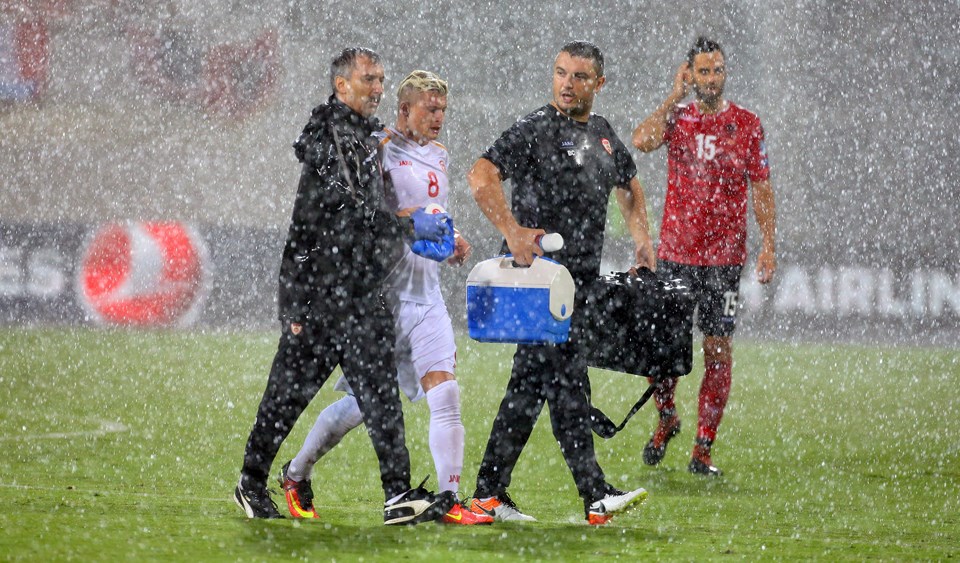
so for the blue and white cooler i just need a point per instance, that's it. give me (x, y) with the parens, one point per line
(525, 305)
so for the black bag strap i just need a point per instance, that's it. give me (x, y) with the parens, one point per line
(602, 425)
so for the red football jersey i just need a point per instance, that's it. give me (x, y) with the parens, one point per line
(710, 158)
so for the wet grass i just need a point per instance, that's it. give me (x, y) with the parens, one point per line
(122, 445)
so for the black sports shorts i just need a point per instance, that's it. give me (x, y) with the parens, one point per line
(715, 291)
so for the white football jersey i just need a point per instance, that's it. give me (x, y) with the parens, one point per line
(416, 176)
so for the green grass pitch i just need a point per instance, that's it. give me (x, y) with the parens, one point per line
(126, 445)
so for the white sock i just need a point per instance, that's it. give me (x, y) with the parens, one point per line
(446, 434)
(331, 426)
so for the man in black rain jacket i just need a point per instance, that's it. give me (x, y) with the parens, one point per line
(341, 244)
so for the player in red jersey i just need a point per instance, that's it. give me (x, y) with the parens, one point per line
(715, 152)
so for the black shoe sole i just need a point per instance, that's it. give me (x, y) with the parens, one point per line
(697, 467)
(653, 455)
(248, 509)
(405, 514)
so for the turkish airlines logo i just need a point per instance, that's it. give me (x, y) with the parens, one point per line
(144, 274)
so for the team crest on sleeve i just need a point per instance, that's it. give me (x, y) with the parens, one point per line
(443, 166)
(606, 145)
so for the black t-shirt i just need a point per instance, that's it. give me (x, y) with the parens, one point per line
(561, 172)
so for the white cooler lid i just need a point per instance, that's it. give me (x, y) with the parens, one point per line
(543, 273)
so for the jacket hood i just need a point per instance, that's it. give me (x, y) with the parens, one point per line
(340, 110)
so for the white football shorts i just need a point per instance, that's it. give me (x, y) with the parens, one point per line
(425, 343)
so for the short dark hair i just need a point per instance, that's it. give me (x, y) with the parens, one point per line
(703, 45)
(345, 62)
(585, 50)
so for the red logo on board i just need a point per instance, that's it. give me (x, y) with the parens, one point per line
(144, 274)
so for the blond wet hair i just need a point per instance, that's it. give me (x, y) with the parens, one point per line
(421, 81)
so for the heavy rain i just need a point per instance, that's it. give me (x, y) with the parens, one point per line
(164, 129)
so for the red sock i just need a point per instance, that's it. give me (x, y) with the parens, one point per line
(714, 392)
(663, 395)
